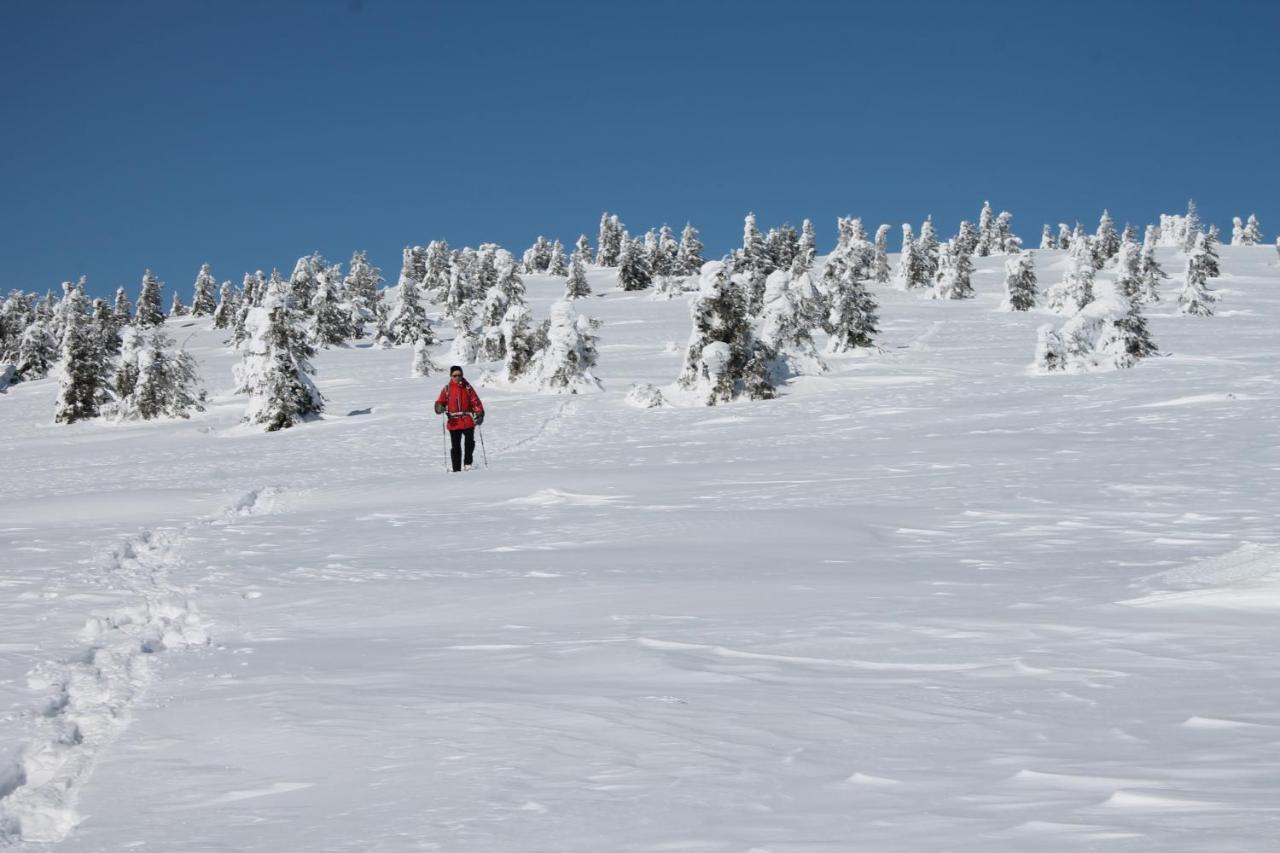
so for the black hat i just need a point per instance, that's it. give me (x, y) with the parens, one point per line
(454, 367)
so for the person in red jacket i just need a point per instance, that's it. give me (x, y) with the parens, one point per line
(460, 403)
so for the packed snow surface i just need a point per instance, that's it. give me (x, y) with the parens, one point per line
(926, 601)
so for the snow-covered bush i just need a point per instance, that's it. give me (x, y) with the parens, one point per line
(645, 396)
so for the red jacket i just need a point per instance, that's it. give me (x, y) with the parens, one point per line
(460, 400)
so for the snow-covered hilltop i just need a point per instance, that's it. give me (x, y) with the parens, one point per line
(938, 570)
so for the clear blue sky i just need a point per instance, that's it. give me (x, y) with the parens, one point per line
(165, 134)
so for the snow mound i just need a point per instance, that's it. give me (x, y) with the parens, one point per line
(555, 497)
(1247, 578)
(645, 396)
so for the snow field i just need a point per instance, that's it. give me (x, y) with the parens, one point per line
(892, 610)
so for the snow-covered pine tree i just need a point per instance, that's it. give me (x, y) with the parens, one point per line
(670, 250)
(303, 282)
(1193, 226)
(1252, 232)
(905, 278)
(724, 359)
(467, 342)
(383, 337)
(969, 242)
(1130, 233)
(1126, 339)
(753, 255)
(123, 309)
(564, 365)
(851, 319)
(556, 264)
(955, 269)
(689, 257)
(808, 243)
(1006, 241)
(1129, 269)
(782, 244)
(1195, 297)
(150, 308)
(436, 266)
(610, 241)
(792, 310)
(507, 292)
(275, 370)
(422, 364)
(1064, 236)
(576, 285)
(927, 252)
(125, 379)
(37, 350)
(330, 321)
(360, 287)
(519, 344)
(633, 267)
(656, 255)
(176, 306)
(1237, 231)
(202, 304)
(1106, 243)
(583, 249)
(166, 383)
(1212, 267)
(985, 240)
(83, 388)
(104, 326)
(1075, 290)
(228, 303)
(1150, 273)
(880, 263)
(1020, 282)
(1046, 238)
(410, 324)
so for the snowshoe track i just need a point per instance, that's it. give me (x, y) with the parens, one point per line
(91, 694)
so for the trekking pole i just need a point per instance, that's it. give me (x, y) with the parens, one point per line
(483, 453)
(444, 436)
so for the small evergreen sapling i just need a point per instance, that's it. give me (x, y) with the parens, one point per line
(176, 306)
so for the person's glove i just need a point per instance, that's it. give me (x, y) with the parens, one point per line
(439, 408)
(479, 417)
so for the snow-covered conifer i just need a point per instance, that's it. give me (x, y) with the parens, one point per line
(689, 257)
(104, 326)
(753, 255)
(163, 383)
(37, 350)
(1237, 231)
(880, 262)
(202, 304)
(150, 308)
(609, 243)
(422, 363)
(330, 323)
(852, 318)
(955, 269)
(985, 240)
(83, 387)
(1212, 267)
(1076, 288)
(556, 264)
(782, 245)
(123, 309)
(1150, 273)
(1106, 243)
(275, 370)
(1020, 282)
(383, 337)
(1129, 269)
(1046, 238)
(1195, 297)
(792, 310)
(410, 324)
(519, 344)
(467, 342)
(1064, 236)
(1252, 232)
(1193, 227)
(927, 252)
(583, 249)
(1006, 241)
(303, 282)
(909, 269)
(360, 287)
(228, 304)
(969, 242)
(808, 243)
(564, 365)
(176, 306)
(633, 267)
(507, 292)
(576, 285)
(724, 359)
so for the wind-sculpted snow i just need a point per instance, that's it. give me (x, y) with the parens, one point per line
(927, 600)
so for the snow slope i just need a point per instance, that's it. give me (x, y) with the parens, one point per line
(928, 601)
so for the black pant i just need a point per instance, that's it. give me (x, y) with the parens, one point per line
(455, 452)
